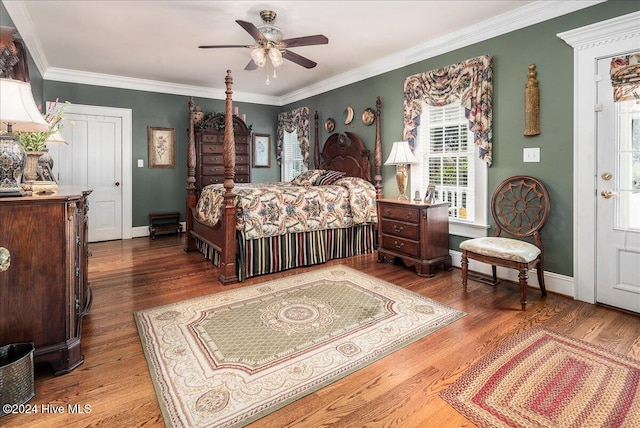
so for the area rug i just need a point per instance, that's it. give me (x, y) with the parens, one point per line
(544, 379)
(230, 358)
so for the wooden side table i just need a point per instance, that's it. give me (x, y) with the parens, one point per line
(414, 232)
(164, 222)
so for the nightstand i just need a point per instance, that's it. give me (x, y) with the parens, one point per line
(414, 232)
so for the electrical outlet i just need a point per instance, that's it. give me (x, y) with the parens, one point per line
(531, 154)
(140, 163)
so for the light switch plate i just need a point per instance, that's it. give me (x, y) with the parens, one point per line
(531, 154)
(140, 163)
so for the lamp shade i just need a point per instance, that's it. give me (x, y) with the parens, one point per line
(259, 57)
(18, 108)
(401, 154)
(56, 138)
(276, 57)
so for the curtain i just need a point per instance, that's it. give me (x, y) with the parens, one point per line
(471, 82)
(625, 77)
(295, 120)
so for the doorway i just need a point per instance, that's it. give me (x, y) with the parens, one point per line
(98, 156)
(605, 39)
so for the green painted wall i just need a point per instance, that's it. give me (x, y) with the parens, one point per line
(161, 189)
(513, 52)
(164, 189)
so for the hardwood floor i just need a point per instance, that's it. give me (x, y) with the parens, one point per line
(400, 390)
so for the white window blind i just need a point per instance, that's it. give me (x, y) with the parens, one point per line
(292, 164)
(446, 153)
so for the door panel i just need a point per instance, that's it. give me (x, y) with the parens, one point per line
(618, 198)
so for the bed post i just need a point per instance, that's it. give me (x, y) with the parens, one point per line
(316, 147)
(229, 246)
(377, 153)
(190, 243)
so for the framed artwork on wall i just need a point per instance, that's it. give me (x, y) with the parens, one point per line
(162, 147)
(430, 194)
(261, 151)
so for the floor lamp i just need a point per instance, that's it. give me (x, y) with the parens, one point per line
(18, 112)
(401, 155)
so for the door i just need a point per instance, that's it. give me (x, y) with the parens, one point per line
(94, 158)
(618, 197)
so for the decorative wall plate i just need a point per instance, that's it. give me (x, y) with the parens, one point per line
(368, 116)
(330, 124)
(348, 115)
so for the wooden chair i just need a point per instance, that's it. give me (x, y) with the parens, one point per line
(520, 207)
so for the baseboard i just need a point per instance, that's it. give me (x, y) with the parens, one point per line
(142, 231)
(554, 282)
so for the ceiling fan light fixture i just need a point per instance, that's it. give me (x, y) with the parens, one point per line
(276, 57)
(259, 57)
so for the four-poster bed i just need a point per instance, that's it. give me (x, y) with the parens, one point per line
(258, 228)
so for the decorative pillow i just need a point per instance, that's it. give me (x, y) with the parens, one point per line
(329, 177)
(307, 178)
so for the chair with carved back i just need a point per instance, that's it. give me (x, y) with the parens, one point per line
(520, 207)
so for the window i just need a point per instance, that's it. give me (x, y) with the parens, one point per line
(448, 159)
(292, 162)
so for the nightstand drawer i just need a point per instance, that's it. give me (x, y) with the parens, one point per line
(402, 213)
(401, 229)
(401, 245)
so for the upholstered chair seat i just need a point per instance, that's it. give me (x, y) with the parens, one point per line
(520, 207)
(502, 248)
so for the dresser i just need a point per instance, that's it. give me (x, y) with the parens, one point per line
(209, 137)
(414, 232)
(44, 293)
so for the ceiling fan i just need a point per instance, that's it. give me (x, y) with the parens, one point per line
(270, 44)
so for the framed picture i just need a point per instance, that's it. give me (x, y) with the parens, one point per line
(261, 151)
(430, 194)
(162, 147)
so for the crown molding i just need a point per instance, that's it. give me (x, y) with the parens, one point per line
(609, 31)
(525, 16)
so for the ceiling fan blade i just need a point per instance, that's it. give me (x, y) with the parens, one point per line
(223, 46)
(318, 39)
(298, 59)
(251, 66)
(252, 29)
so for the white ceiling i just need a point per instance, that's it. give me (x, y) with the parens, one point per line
(153, 45)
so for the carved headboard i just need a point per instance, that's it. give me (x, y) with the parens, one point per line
(347, 154)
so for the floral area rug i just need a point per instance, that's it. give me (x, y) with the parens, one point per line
(544, 379)
(229, 358)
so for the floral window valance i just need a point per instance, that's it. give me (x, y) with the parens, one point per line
(471, 82)
(625, 77)
(295, 120)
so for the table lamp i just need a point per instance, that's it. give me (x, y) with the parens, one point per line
(18, 112)
(401, 155)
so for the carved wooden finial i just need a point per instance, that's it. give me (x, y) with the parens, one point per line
(531, 103)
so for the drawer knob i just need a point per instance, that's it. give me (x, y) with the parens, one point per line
(398, 229)
(398, 245)
(5, 259)
(409, 215)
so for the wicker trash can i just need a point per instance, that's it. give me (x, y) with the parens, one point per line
(16, 374)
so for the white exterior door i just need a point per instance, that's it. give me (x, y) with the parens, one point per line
(96, 158)
(618, 197)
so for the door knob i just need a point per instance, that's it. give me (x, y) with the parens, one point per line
(607, 194)
(5, 259)
(117, 183)
(606, 176)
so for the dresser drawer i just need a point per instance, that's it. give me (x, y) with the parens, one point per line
(401, 245)
(217, 159)
(218, 149)
(402, 213)
(401, 229)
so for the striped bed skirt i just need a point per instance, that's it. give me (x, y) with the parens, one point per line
(278, 253)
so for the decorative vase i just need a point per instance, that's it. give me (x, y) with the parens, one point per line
(31, 168)
(12, 161)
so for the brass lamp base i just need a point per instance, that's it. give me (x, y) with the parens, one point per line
(401, 179)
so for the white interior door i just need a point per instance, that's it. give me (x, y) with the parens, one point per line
(618, 197)
(96, 158)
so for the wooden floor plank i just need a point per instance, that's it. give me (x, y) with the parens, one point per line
(400, 390)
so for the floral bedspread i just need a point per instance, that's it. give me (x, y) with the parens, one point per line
(272, 209)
